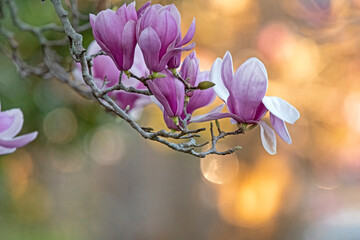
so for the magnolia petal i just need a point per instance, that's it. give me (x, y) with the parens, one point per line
(189, 35)
(170, 92)
(215, 77)
(4, 150)
(212, 116)
(150, 46)
(248, 88)
(280, 128)
(188, 47)
(18, 141)
(169, 54)
(160, 97)
(281, 109)
(167, 30)
(92, 18)
(268, 137)
(128, 44)
(172, 9)
(215, 110)
(16, 125)
(201, 98)
(180, 96)
(127, 13)
(103, 66)
(227, 71)
(143, 8)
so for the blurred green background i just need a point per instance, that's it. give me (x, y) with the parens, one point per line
(89, 176)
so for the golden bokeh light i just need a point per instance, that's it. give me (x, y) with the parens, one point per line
(19, 168)
(352, 111)
(219, 169)
(255, 198)
(303, 63)
(275, 42)
(60, 126)
(34, 205)
(232, 7)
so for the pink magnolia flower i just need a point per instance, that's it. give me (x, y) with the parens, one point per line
(115, 33)
(159, 35)
(244, 95)
(197, 99)
(170, 92)
(11, 122)
(104, 67)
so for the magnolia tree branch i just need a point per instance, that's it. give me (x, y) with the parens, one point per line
(53, 67)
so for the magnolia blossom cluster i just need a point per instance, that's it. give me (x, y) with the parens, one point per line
(148, 43)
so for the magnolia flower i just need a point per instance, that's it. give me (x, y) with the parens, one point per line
(159, 35)
(11, 122)
(244, 95)
(170, 92)
(197, 99)
(190, 69)
(104, 68)
(115, 33)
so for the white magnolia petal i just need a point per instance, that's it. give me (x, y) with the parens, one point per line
(19, 141)
(280, 128)
(268, 138)
(281, 109)
(215, 77)
(4, 150)
(16, 125)
(200, 117)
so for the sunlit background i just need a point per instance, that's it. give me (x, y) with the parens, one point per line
(89, 176)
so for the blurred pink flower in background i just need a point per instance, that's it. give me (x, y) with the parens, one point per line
(105, 68)
(11, 122)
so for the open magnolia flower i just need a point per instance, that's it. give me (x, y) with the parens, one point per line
(244, 95)
(11, 122)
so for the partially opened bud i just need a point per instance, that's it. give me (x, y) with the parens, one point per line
(159, 35)
(190, 69)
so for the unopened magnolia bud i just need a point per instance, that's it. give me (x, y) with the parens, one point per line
(157, 75)
(205, 85)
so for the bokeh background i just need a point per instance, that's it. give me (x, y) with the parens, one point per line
(89, 176)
